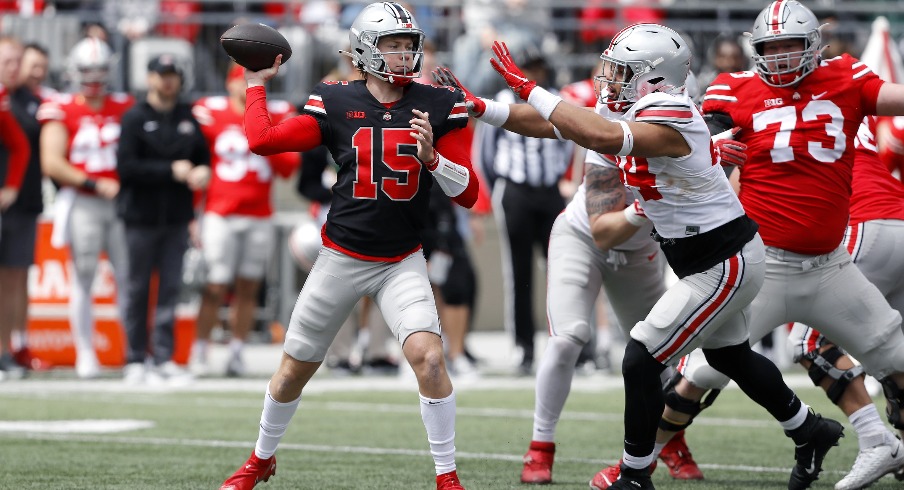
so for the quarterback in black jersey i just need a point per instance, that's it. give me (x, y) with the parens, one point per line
(393, 140)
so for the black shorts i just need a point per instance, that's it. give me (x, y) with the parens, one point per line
(18, 233)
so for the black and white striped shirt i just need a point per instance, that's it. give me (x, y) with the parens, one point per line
(536, 162)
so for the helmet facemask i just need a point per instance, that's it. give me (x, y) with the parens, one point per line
(786, 20)
(786, 69)
(377, 66)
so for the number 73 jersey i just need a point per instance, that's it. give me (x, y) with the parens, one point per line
(800, 149)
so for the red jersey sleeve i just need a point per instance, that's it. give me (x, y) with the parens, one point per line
(454, 146)
(300, 133)
(15, 141)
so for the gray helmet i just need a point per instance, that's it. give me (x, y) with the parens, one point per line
(642, 59)
(378, 20)
(89, 63)
(785, 19)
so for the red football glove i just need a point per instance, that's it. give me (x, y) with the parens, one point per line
(444, 76)
(727, 151)
(514, 77)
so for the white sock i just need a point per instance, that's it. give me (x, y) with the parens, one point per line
(17, 340)
(657, 449)
(870, 429)
(275, 420)
(439, 420)
(637, 463)
(199, 350)
(81, 318)
(797, 420)
(554, 377)
(236, 346)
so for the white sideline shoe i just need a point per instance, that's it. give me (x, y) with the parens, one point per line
(872, 464)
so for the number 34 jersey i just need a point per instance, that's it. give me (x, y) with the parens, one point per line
(381, 196)
(800, 149)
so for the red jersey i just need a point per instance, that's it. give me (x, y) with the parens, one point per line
(877, 194)
(800, 149)
(15, 142)
(581, 93)
(240, 181)
(891, 150)
(93, 135)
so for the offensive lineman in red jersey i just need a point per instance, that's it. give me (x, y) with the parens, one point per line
(236, 230)
(391, 138)
(79, 137)
(799, 115)
(667, 160)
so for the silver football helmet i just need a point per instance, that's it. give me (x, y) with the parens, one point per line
(89, 65)
(385, 19)
(785, 19)
(640, 60)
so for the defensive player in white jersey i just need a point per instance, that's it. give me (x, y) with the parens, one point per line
(799, 115)
(79, 138)
(666, 158)
(236, 231)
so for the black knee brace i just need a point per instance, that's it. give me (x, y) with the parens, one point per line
(684, 405)
(823, 364)
(894, 397)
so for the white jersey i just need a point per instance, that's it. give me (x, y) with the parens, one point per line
(682, 196)
(576, 214)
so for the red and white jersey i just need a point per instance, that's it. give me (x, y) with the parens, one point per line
(93, 135)
(877, 194)
(800, 149)
(581, 93)
(682, 196)
(240, 180)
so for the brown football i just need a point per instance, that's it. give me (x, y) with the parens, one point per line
(255, 46)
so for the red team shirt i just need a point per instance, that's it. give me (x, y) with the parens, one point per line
(877, 194)
(240, 181)
(800, 144)
(15, 141)
(93, 136)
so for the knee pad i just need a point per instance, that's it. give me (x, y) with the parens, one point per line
(823, 364)
(894, 397)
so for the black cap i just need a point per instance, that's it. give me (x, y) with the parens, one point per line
(165, 63)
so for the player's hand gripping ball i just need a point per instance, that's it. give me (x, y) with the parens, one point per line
(255, 46)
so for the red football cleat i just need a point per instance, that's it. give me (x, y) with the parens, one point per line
(26, 359)
(538, 462)
(678, 458)
(607, 476)
(448, 481)
(254, 471)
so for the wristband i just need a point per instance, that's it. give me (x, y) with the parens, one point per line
(431, 166)
(496, 113)
(628, 141)
(634, 218)
(543, 101)
(89, 184)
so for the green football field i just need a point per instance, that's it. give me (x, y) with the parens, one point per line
(360, 433)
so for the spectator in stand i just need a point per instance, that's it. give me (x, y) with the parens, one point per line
(162, 157)
(725, 55)
(79, 136)
(237, 235)
(14, 238)
(27, 92)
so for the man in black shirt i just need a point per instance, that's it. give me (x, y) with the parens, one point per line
(162, 157)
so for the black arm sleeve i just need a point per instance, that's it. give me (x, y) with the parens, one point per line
(200, 152)
(718, 122)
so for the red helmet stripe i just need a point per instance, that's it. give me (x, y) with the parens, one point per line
(777, 8)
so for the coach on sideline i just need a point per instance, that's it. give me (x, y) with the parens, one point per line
(162, 157)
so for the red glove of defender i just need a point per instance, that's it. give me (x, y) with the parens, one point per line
(514, 77)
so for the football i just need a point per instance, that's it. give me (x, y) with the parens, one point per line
(255, 46)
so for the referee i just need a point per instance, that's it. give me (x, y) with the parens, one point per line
(524, 175)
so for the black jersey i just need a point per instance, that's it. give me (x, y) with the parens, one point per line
(381, 196)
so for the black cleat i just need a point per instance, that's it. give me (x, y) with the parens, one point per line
(812, 442)
(633, 479)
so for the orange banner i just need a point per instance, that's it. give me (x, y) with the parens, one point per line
(49, 335)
